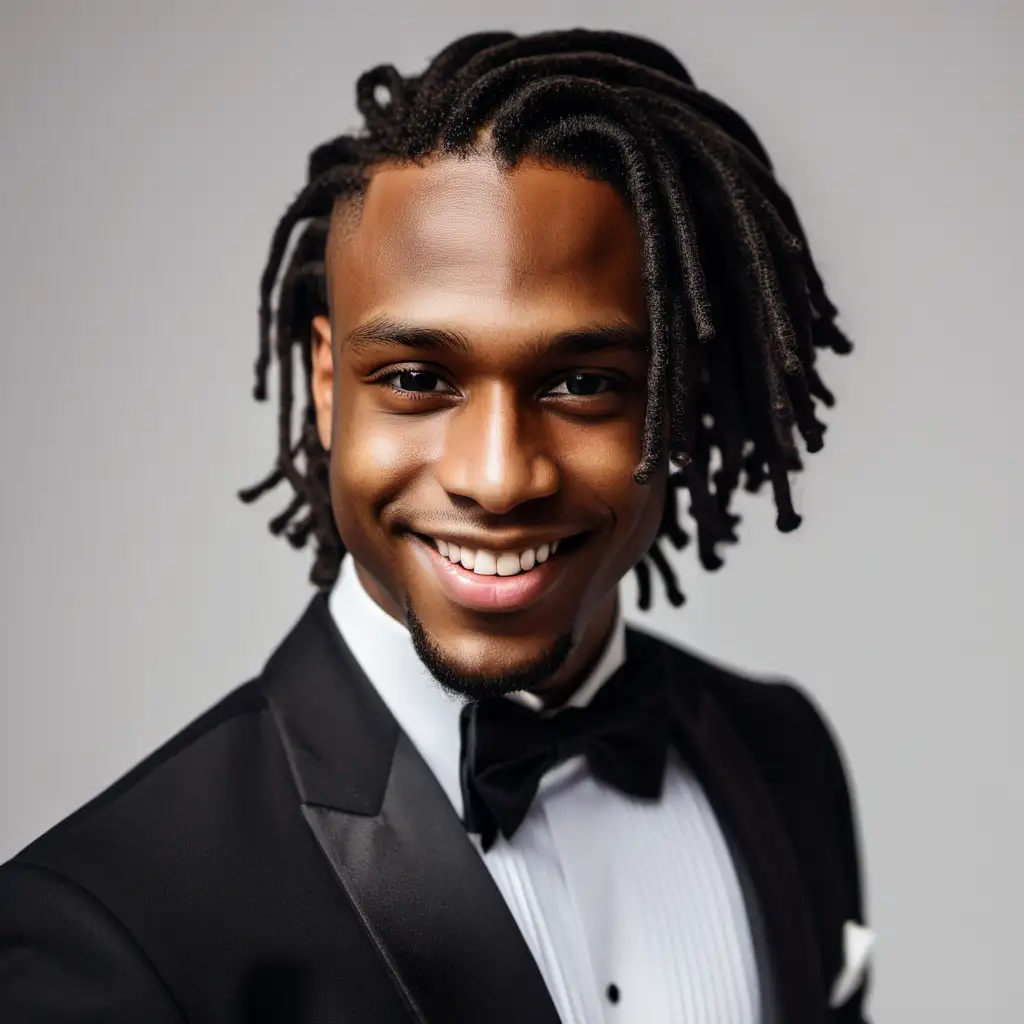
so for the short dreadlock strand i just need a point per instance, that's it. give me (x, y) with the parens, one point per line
(779, 208)
(301, 271)
(643, 583)
(668, 575)
(827, 334)
(767, 301)
(268, 483)
(794, 288)
(670, 528)
(712, 526)
(757, 245)
(816, 387)
(771, 442)
(682, 366)
(284, 339)
(725, 263)
(381, 120)
(315, 200)
(280, 521)
(304, 280)
(726, 429)
(300, 531)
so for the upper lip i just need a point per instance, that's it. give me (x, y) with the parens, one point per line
(516, 542)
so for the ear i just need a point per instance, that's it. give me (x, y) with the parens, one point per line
(322, 378)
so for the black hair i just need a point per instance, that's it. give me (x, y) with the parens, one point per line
(736, 307)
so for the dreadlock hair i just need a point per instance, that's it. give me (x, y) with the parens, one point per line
(736, 307)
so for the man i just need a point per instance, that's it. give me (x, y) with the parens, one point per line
(548, 272)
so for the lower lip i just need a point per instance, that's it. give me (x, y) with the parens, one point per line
(491, 593)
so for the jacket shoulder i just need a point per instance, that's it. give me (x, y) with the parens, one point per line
(777, 718)
(197, 872)
(166, 777)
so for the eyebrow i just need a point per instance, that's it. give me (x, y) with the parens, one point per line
(385, 331)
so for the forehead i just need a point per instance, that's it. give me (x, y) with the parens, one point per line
(463, 239)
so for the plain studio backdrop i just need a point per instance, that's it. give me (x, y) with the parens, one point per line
(147, 152)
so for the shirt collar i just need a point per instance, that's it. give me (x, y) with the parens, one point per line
(428, 714)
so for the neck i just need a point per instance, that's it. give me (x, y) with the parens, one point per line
(555, 691)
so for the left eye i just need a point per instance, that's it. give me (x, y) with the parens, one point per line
(584, 384)
(417, 381)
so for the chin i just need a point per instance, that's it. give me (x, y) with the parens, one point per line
(475, 678)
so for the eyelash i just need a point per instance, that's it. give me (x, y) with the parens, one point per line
(384, 379)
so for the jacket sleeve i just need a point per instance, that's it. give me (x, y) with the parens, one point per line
(65, 959)
(843, 816)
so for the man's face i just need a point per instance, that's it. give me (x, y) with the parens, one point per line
(462, 396)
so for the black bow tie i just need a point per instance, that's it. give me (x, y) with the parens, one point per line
(507, 748)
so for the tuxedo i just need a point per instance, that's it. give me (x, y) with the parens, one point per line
(290, 856)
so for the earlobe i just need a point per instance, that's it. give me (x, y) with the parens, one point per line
(322, 377)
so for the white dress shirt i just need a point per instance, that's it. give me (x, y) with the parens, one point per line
(634, 911)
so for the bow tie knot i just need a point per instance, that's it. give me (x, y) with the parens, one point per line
(507, 749)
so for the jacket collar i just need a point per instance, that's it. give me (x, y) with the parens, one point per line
(339, 735)
(394, 842)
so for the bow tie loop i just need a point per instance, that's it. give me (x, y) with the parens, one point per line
(571, 732)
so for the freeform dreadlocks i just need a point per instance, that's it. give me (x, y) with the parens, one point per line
(735, 305)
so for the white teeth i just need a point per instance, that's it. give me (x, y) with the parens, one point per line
(486, 563)
(508, 564)
(492, 563)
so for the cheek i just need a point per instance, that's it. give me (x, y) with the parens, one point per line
(370, 464)
(603, 461)
(602, 466)
(605, 470)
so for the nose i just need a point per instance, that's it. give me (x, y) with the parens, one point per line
(495, 453)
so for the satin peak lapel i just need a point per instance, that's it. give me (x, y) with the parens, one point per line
(394, 841)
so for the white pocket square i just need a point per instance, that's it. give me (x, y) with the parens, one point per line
(857, 943)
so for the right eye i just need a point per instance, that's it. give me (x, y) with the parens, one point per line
(411, 381)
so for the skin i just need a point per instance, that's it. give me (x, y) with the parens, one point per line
(491, 440)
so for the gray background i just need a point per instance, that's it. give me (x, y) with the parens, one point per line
(147, 151)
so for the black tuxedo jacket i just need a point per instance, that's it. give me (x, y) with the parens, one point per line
(289, 857)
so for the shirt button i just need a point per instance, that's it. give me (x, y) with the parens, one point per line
(613, 993)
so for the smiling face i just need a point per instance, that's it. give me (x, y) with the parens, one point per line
(482, 381)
